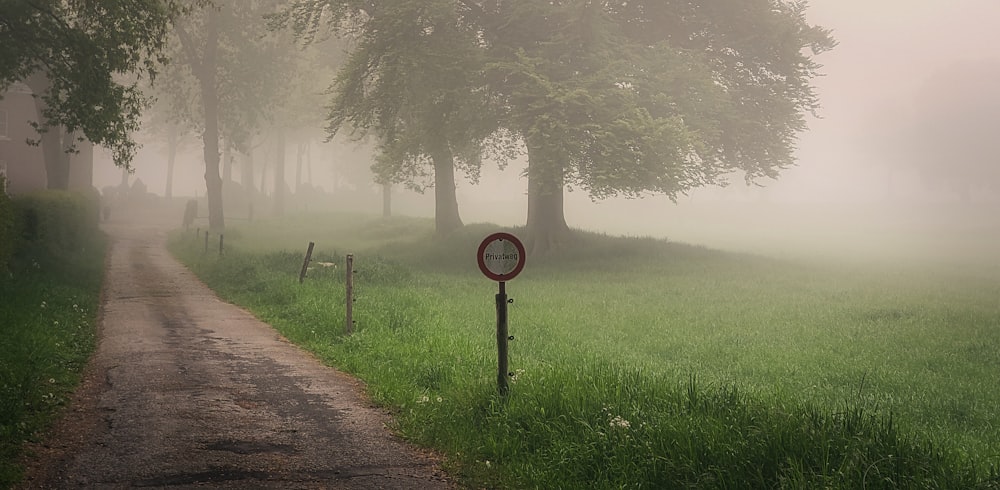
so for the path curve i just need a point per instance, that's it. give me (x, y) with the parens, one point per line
(186, 390)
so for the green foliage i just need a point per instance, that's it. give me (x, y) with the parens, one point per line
(640, 363)
(48, 311)
(84, 49)
(412, 78)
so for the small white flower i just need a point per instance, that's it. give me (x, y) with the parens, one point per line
(618, 421)
(43, 304)
(439, 399)
(488, 463)
(423, 399)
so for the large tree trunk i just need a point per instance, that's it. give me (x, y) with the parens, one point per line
(172, 142)
(386, 200)
(546, 223)
(56, 163)
(299, 156)
(279, 175)
(210, 102)
(81, 172)
(227, 161)
(446, 218)
(246, 172)
(59, 177)
(309, 167)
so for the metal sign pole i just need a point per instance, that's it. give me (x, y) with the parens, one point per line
(502, 340)
(498, 262)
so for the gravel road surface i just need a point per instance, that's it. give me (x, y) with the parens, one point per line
(187, 391)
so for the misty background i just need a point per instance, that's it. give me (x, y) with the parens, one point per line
(859, 190)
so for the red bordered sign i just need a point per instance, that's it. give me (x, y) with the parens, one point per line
(501, 256)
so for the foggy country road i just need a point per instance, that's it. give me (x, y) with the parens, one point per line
(186, 390)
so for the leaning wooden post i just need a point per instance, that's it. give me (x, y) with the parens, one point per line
(305, 263)
(349, 272)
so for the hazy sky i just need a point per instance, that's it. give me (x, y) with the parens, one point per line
(887, 49)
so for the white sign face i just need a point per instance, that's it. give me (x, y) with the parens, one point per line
(501, 256)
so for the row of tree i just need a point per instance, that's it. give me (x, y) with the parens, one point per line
(613, 97)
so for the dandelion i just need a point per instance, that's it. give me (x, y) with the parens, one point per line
(439, 399)
(52, 381)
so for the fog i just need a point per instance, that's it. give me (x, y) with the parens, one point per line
(851, 194)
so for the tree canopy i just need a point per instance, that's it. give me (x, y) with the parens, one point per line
(412, 80)
(92, 54)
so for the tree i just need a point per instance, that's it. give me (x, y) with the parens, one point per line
(614, 97)
(239, 71)
(202, 59)
(167, 118)
(412, 79)
(661, 96)
(78, 56)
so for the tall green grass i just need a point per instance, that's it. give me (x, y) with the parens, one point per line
(48, 310)
(642, 363)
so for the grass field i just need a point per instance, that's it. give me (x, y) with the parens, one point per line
(643, 363)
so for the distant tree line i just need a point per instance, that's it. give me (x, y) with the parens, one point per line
(615, 98)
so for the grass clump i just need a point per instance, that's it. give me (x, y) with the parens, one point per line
(644, 364)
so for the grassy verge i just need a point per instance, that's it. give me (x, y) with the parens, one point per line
(641, 363)
(48, 308)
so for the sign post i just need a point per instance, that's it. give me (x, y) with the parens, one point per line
(501, 257)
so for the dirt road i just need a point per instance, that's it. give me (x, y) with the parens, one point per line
(188, 391)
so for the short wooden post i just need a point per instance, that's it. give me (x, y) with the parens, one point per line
(206, 241)
(221, 238)
(349, 272)
(502, 367)
(305, 263)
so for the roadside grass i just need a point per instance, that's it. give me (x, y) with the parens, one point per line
(48, 310)
(642, 363)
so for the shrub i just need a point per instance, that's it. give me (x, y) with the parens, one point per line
(56, 223)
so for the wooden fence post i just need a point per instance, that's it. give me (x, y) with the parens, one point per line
(349, 272)
(305, 263)
(221, 238)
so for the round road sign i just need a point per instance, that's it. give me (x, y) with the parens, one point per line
(501, 256)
